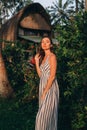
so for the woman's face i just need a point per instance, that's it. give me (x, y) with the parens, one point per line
(45, 43)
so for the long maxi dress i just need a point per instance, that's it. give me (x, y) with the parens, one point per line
(47, 116)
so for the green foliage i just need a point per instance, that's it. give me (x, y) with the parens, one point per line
(19, 112)
(22, 76)
(72, 74)
(60, 11)
(17, 115)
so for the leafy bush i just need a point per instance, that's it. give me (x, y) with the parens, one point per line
(72, 74)
(17, 115)
(19, 112)
(21, 72)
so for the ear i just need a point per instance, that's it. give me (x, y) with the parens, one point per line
(51, 45)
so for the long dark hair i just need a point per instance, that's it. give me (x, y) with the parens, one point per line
(41, 51)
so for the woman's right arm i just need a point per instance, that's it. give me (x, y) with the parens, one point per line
(37, 57)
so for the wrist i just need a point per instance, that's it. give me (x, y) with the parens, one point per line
(37, 63)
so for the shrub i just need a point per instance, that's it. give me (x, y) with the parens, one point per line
(72, 74)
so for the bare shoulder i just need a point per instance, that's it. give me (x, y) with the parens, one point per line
(52, 61)
(52, 57)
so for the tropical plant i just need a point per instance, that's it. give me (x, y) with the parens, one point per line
(21, 69)
(79, 5)
(72, 74)
(61, 11)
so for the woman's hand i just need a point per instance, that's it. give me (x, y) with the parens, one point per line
(37, 57)
(43, 95)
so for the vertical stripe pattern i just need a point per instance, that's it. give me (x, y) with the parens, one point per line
(47, 115)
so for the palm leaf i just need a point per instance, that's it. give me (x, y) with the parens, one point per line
(60, 3)
(67, 3)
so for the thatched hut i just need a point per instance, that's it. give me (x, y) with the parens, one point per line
(30, 24)
(32, 20)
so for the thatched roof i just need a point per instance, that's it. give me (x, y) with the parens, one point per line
(33, 16)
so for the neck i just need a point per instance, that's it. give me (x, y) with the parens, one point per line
(47, 52)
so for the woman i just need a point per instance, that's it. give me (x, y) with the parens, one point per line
(46, 65)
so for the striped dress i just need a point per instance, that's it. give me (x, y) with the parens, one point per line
(47, 115)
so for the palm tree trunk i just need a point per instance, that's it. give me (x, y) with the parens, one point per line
(86, 5)
(5, 88)
(76, 2)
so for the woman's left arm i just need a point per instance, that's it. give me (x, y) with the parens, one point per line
(53, 66)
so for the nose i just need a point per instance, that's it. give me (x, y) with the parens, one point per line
(44, 43)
